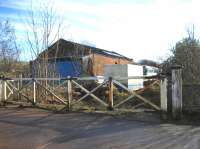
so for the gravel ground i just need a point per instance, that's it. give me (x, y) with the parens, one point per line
(34, 128)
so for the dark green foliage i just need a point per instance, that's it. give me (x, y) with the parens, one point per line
(187, 54)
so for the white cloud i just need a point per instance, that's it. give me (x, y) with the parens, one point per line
(139, 31)
(143, 30)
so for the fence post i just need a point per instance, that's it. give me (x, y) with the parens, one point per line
(4, 90)
(1, 90)
(110, 97)
(20, 86)
(176, 92)
(163, 98)
(69, 92)
(34, 92)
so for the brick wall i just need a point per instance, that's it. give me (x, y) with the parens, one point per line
(100, 60)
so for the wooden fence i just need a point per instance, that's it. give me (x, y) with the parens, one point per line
(18, 87)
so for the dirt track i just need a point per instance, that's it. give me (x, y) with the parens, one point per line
(34, 128)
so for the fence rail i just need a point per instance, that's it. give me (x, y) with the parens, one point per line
(85, 78)
(11, 86)
(32, 89)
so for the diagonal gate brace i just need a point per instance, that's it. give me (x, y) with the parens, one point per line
(134, 94)
(90, 93)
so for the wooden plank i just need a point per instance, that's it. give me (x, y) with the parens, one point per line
(69, 93)
(22, 87)
(110, 97)
(4, 90)
(148, 102)
(61, 100)
(123, 101)
(176, 92)
(138, 105)
(92, 95)
(125, 88)
(37, 79)
(90, 78)
(89, 93)
(9, 95)
(163, 98)
(52, 90)
(18, 91)
(34, 92)
(11, 91)
(122, 86)
(20, 84)
(85, 78)
(138, 96)
(147, 87)
(1, 90)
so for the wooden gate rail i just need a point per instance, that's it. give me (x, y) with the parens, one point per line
(110, 82)
(90, 93)
(7, 88)
(19, 91)
(11, 91)
(134, 94)
(53, 94)
(148, 86)
(34, 82)
(52, 90)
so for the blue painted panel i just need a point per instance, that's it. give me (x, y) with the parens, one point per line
(69, 68)
(63, 68)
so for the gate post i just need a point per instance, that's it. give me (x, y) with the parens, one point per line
(1, 90)
(176, 92)
(110, 97)
(69, 92)
(163, 98)
(20, 83)
(34, 92)
(4, 89)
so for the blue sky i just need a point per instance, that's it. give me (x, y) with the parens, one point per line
(139, 29)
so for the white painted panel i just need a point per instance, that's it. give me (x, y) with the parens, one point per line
(117, 70)
(135, 70)
(126, 70)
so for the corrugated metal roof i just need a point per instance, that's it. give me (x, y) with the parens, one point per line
(93, 49)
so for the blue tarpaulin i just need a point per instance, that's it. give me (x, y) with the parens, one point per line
(69, 68)
(61, 68)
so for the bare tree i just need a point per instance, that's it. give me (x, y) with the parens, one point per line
(43, 29)
(9, 52)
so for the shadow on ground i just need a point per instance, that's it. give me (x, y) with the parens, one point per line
(36, 128)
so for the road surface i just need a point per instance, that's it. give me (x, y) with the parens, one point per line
(37, 129)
